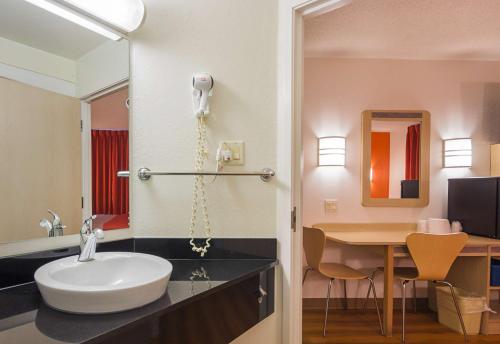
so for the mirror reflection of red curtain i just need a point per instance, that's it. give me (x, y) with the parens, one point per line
(109, 155)
(380, 164)
(412, 170)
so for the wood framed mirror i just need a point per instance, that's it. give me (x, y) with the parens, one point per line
(395, 166)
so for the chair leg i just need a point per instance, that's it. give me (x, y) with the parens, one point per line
(367, 298)
(404, 312)
(327, 302)
(414, 296)
(452, 290)
(369, 291)
(372, 286)
(305, 274)
(345, 295)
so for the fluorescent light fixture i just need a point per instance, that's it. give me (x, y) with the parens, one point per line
(331, 151)
(74, 17)
(457, 153)
(125, 15)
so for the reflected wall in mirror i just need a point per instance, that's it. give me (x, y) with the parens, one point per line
(396, 158)
(64, 125)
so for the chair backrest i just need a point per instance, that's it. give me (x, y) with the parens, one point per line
(434, 254)
(314, 245)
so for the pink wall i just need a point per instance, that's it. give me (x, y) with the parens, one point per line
(463, 99)
(110, 112)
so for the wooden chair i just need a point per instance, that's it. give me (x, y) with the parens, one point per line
(433, 255)
(314, 246)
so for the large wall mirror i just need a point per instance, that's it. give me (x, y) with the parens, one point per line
(63, 126)
(396, 158)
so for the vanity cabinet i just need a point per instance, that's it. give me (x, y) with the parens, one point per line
(217, 318)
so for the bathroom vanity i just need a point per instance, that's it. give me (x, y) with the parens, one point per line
(211, 300)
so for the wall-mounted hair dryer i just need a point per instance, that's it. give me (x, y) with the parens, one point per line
(202, 89)
(203, 84)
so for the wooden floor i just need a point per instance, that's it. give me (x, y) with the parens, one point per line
(356, 327)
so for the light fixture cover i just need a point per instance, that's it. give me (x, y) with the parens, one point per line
(76, 17)
(331, 151)
(457, 153)
(125, 15)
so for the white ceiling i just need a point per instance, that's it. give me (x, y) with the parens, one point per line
(407, 29)
(30, 25)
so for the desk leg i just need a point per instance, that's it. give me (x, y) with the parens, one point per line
(388, 289)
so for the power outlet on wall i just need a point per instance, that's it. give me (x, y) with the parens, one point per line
(232, 152)
(330, 206)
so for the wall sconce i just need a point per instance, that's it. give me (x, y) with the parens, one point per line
(331, 151)
(457, 153)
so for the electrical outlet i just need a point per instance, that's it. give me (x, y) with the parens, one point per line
(330, 205)
(232, 152)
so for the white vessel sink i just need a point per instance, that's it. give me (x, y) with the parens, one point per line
(112, 282)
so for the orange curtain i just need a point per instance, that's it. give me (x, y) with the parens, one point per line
(380, 164)
(412, 170)
(109, 155)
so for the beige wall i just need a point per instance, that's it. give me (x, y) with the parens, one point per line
(235, 41)
(110, 112)
(40, 154)
(23, 56)
(462, 97)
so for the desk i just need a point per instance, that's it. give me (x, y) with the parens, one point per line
(393, 239)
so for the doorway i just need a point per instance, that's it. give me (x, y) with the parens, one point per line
(290, 159)
(356, 84)
(105, 132)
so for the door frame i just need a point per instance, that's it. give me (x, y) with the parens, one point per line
(292, 14)
(86, 139)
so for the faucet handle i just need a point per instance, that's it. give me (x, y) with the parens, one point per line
(90, 218)
(87, 225)
(46, 224)
(56, 218)
(99, 233)
(88, 221)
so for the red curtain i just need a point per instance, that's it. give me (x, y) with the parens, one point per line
(413, 152)
(109, 155)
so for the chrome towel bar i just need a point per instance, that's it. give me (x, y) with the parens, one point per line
(145, 174)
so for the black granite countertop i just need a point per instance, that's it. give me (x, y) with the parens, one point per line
(24, 317)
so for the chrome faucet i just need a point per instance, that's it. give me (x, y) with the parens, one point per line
(55, 227)
(88, 240)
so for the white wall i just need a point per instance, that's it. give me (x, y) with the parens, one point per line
(102, 67)
(397, 162)
(35, 79)
(37, 68)
(462, 97)
(22, 56)
(235, 41)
